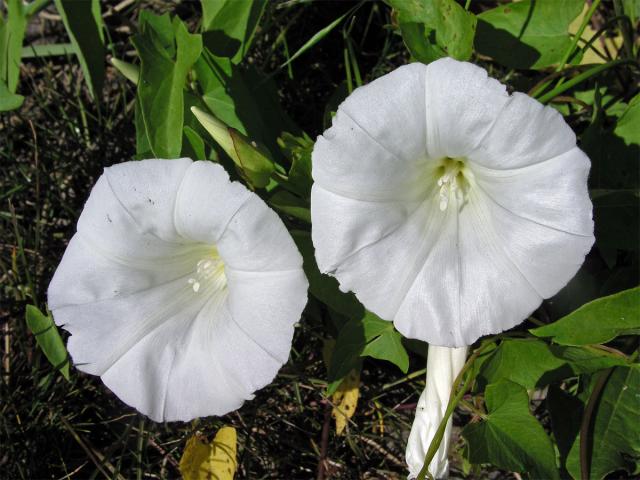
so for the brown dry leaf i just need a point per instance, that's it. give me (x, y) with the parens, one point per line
(210, 461)
(345, 400)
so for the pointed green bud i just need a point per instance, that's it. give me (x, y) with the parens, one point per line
(253, 162)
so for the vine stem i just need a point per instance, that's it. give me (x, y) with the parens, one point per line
(454, 399)
(578, 35)
(586, 422)
(581, 78)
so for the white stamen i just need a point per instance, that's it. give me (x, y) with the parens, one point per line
(452, 182)
(208, 271)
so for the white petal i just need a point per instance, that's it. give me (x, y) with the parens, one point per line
(87, 274)
(462, 104)
(542, 215)
(114, 253)
(381, 271)
(105, 330)
(391, 111)
(443, 365)
(255, 239)
(266, 306)
(210, 367)
(147, 190)
(350, 162)
(525, 133)
(468, 286)
(207, 201)
(552, 193)
(343, 225)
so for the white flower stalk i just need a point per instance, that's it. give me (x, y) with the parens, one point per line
(443, 366)
(448, 205)
(180, 289)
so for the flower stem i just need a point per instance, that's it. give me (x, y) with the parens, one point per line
(581, 78)
(454, 399)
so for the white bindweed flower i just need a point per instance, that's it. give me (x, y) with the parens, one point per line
(443, 365)
(448, 205)
(180, 289)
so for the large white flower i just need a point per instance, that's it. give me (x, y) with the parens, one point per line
(448, 205)
(180, 289)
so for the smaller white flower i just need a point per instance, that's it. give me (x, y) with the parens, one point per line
(443, 366)
(180, 289)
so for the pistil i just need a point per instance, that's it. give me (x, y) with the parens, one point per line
(452, 182)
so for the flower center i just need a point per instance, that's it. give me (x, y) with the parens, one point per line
(209, 273)
(453, 182)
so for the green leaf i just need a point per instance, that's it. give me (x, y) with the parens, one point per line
(194, 144)
(527, 34)
(614, 442)
(8, 100)
(291, 205)
(510, 437)
(165, 64)
(143, 149)
(565, 411)
(324, 287)
(527, 362)
(628, 125)
(598, 321)
(229, 26)
(298, 150)
(83, 21)
(533, 363)
(388, 346)
(366, 336)
(128, 70)
(48, 50)
(242, 99)
(11, 36)
(586, 359)
(432, 29)
(48, 339)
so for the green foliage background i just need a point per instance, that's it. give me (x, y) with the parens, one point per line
(556, 397)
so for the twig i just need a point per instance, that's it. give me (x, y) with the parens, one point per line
(324, 442)
(96, 457)
(36, 160)
(6, 354)
(166, 455)
(380, 449)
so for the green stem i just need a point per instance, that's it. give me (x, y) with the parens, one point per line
(578, 35)
(35, 6)
(581, 78)
(625, 27)
(586, 422)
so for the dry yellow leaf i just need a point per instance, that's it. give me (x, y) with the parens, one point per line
(613, 43)
(345, 400)
(216, 460)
